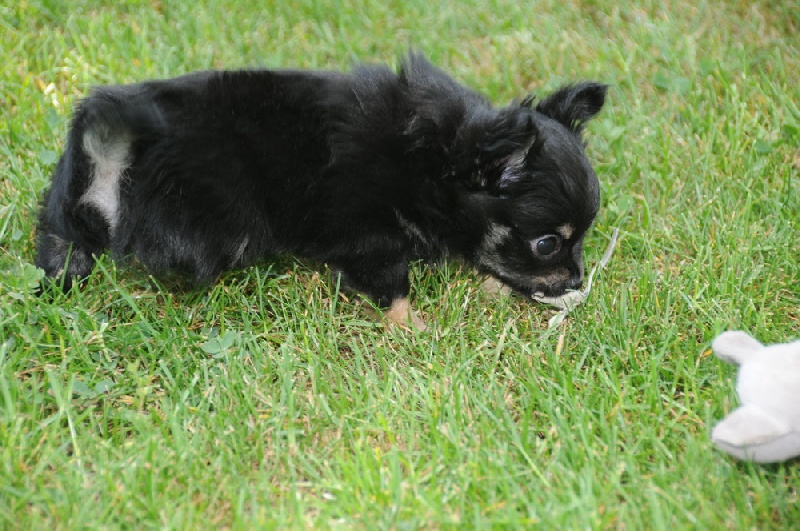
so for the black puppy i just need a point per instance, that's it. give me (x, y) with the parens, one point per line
(364, 171)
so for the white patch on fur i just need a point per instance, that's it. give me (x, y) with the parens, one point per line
(566, 231)
(238, 254)
(495, 236)
(410, 228)
(110, 158)
(513, 170)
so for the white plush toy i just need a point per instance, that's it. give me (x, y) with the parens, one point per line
(766, 428)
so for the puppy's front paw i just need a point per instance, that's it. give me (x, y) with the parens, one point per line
(401, 314)
(495, 287)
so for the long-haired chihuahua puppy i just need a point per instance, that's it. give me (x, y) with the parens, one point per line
(364, 171)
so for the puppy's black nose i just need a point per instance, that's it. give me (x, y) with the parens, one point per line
(575, 283)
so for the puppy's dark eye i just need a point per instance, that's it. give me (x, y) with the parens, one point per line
(546, 245)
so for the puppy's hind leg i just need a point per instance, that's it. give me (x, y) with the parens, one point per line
(387, 285)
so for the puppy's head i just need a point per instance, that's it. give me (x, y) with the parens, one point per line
(531, 191)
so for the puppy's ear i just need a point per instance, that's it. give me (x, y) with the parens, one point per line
(574, 105)
(487, 142)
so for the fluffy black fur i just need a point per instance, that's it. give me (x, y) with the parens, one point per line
(365, 171)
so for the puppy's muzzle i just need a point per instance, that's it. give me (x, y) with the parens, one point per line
(575, 282)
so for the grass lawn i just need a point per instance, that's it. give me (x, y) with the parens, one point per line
(270, 399)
